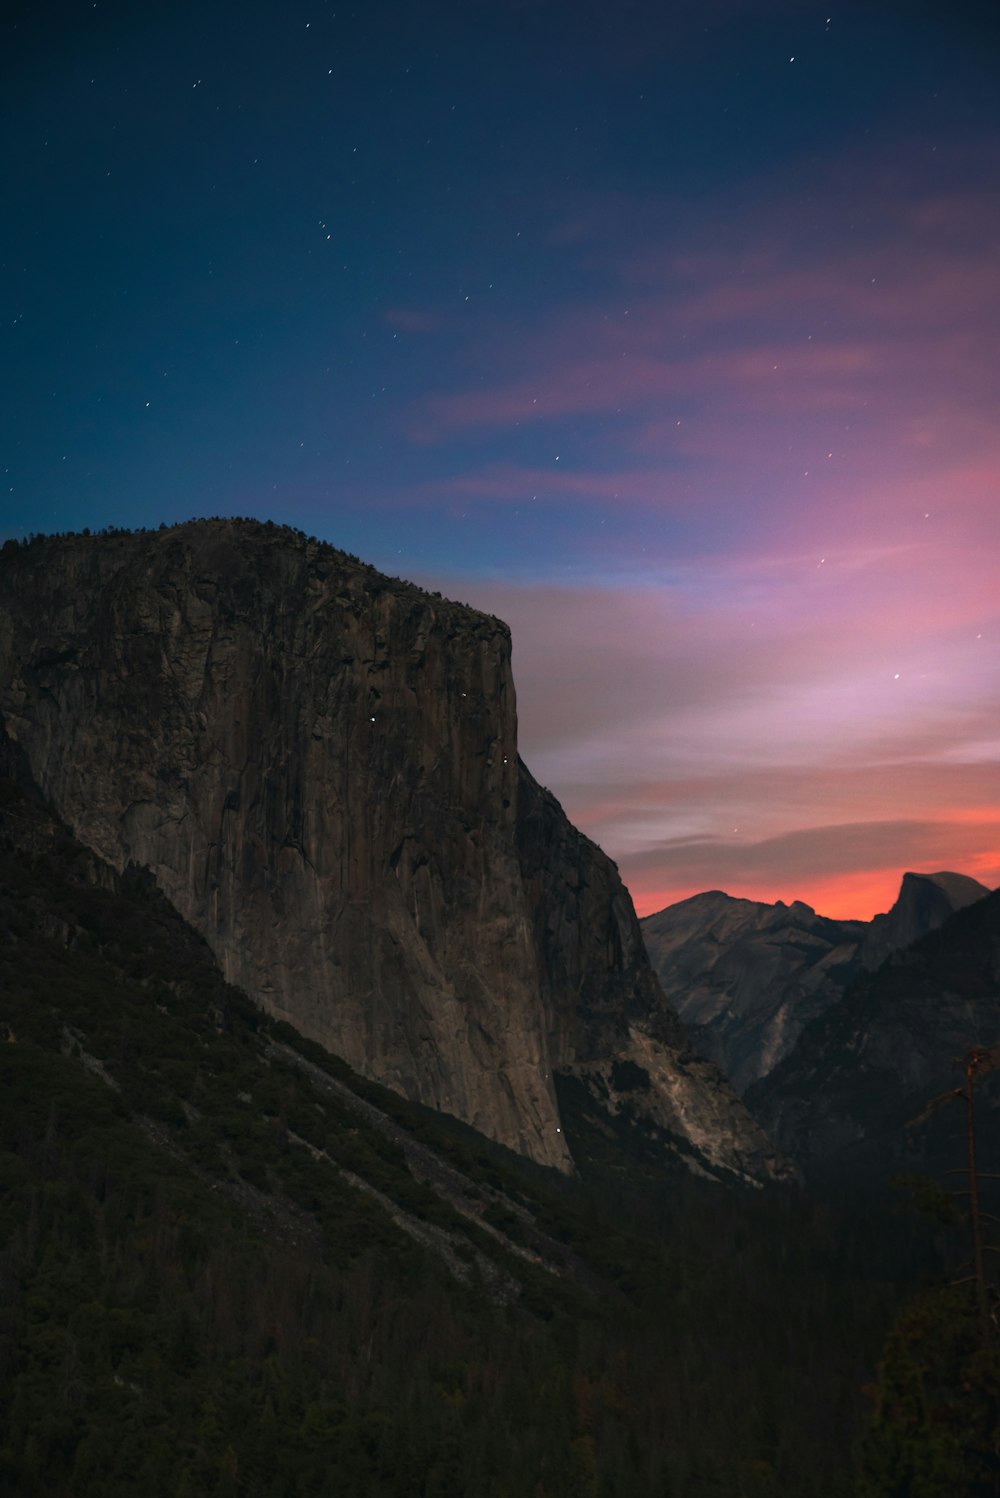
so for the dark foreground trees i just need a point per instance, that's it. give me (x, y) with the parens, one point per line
(936, 1428)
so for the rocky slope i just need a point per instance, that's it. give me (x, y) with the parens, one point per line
(867, 1067)
(319, 765)
(746, 977)
(226, 1254)
(89, 954)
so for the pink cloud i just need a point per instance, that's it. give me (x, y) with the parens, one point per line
(814, 662)
(666, 717)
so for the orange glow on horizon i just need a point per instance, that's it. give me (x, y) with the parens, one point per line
(857, 896)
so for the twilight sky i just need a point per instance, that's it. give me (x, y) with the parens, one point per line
(669, 332)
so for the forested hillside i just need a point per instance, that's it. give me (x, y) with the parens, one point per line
(232, 1267)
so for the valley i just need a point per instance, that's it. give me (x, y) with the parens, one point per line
(352, 1142)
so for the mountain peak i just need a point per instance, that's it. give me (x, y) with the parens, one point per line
(961, 889)
(924, 902)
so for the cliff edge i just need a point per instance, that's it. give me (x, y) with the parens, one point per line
(319, 765)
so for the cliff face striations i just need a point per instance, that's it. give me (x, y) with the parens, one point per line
(319, 765)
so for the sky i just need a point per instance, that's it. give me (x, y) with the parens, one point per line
(670, 333)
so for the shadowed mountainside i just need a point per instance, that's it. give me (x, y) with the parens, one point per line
(231, 1265)
(865, 1068)
(747, 977)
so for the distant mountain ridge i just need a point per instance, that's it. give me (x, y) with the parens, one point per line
(747, 977)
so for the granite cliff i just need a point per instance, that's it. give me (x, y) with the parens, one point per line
(924, 902)
(319, 766)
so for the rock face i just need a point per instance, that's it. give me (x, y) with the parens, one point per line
(924, 902)
(746, 977)
(319, 765)
(605, 1012)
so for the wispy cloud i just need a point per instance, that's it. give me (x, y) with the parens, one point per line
(669, 716)
(802, 429)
